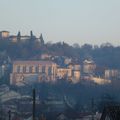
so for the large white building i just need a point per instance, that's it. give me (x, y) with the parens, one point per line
(38, 71)
(32, 71)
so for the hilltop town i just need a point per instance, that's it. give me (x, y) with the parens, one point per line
(56, 70)
(28, 57)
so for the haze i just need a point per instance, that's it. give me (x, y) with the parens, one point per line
(72, 21)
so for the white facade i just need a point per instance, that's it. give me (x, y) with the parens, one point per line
(113, 73)
(33, 71)
(89, 66)
(4, 34)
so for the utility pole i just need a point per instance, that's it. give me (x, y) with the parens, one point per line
(92, 105)
(34, 103)
(9, 113)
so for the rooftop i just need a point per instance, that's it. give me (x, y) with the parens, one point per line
(33, 62)
(4, 31)
(88, 61)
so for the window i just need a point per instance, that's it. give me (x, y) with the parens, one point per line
(39, 69)
(43, 69)
(18, 69)
(30, 69)
(24, 69)
(27, 69)
(36, 69)
(49, 70)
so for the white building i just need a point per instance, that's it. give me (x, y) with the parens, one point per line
(71, 73)
(64, 73)
(89, 66)
(33, 71)
(67, 61)
(4, 34)
(112, 73)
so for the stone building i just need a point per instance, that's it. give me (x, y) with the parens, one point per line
(71, 73)
(64, 73)
(33, 71)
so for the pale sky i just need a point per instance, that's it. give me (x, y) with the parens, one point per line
(72, 21)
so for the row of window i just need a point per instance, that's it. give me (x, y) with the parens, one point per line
(33, 69)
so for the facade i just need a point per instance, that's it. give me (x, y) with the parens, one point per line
(71, 73)
(24, 38)
(76, 76)
(19, 37)
(64, 73)
(32, 71)
(45, 56)
(4, 34)
(89, 66)
(113, 73)
(76, 67)
(100, 81)
(67, 61)
(14, 38)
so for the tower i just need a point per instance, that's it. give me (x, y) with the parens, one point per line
(41, 39)
(18, 36)
(32, 37)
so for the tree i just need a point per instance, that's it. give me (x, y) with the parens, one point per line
(106, 100)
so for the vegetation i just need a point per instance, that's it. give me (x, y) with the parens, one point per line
(105, 55)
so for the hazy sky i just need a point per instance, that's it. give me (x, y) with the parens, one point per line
(72, 21)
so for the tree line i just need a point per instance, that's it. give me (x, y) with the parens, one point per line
(104, 55)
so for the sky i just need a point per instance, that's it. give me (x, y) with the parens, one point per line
(73, 21)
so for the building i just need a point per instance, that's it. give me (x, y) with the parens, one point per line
(33, 71)
(14, 38)
(10, 95)
(100, 81)
(64, 73)
(67, 61)
(76, 68)
(24, 38)
(71, 73)
(76, 76)
(112, 73)
(46, 56)
(4, 34)
(89, 66)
